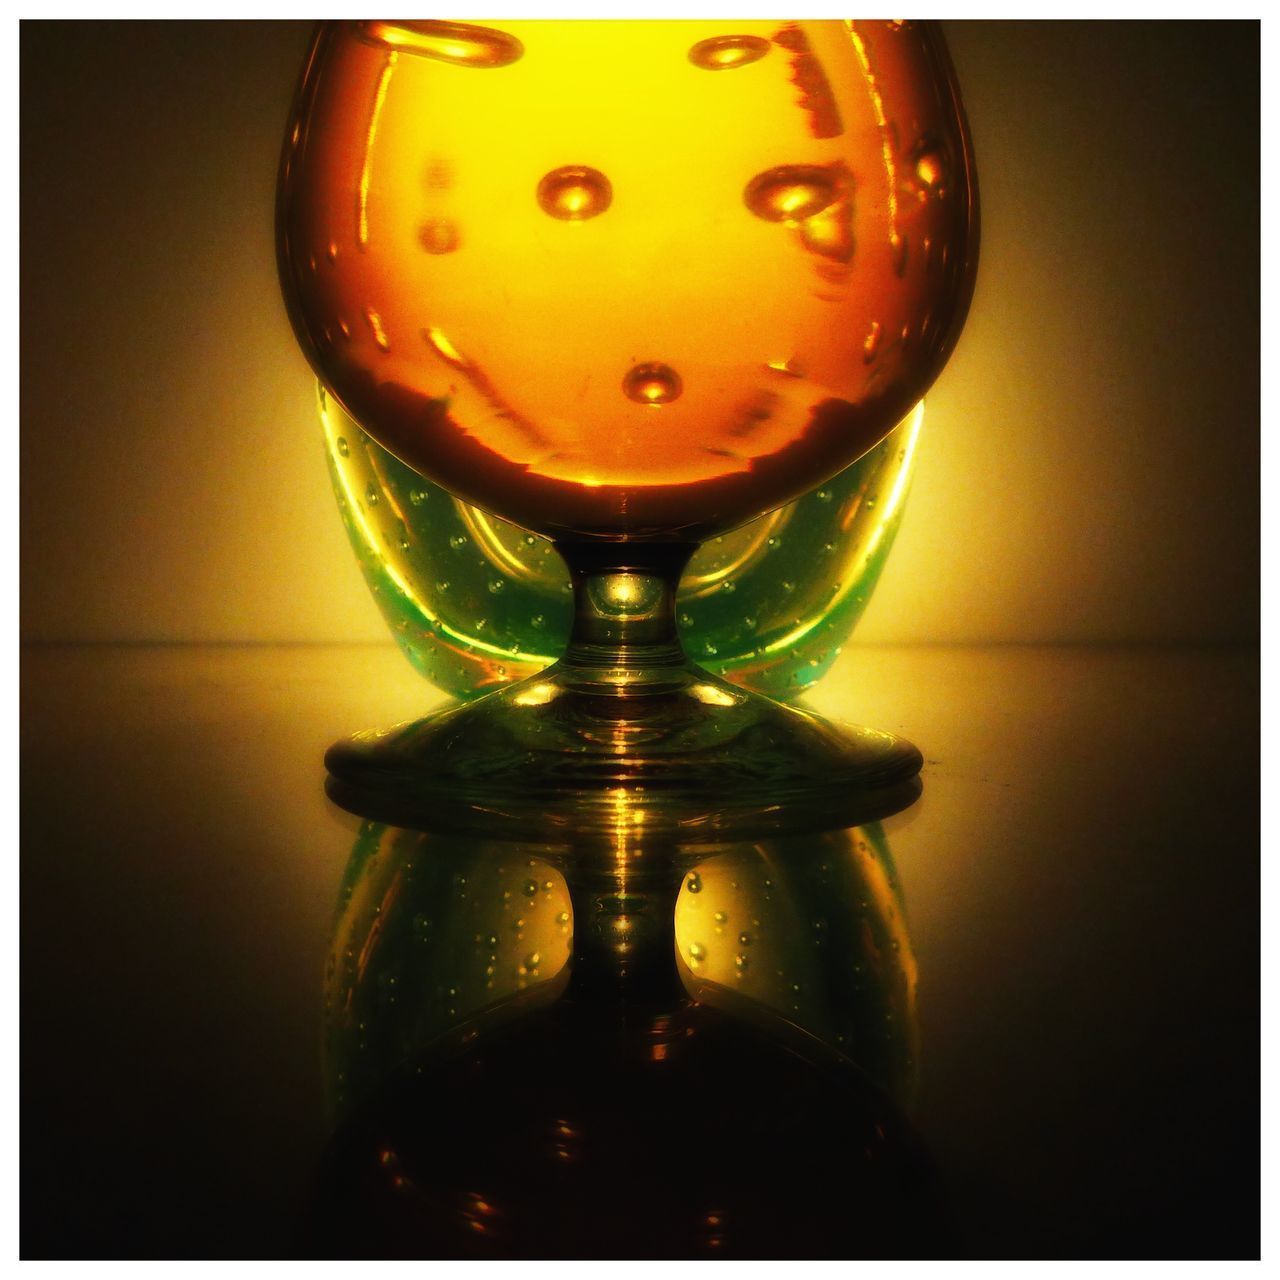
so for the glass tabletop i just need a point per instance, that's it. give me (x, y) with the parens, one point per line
(1064, 925)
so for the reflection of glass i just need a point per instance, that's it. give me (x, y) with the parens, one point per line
(476, 602)
(433, 929)
(430, 931)
(812, 927)
(627, 285)
(553, 1050)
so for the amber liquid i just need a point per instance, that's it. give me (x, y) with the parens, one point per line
(641, 279)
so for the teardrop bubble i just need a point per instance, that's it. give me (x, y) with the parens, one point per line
(652, 383)
(723, 53)
(464, 44)
(930, 168)
(792, 192)
(574, 192)
(438, 235)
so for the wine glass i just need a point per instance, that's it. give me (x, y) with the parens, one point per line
(626, 284)
(812, 926)
(542, 1050)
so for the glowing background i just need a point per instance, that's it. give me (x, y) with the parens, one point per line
(1089, 470)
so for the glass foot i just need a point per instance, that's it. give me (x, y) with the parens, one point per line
(580, 749)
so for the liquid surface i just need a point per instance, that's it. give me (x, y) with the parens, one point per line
(627, 278)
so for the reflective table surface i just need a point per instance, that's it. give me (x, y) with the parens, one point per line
(1079, 880)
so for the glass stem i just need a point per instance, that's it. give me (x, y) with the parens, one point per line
(624, 623)
(624, 939)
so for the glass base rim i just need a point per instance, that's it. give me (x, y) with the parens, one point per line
(557, 759)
